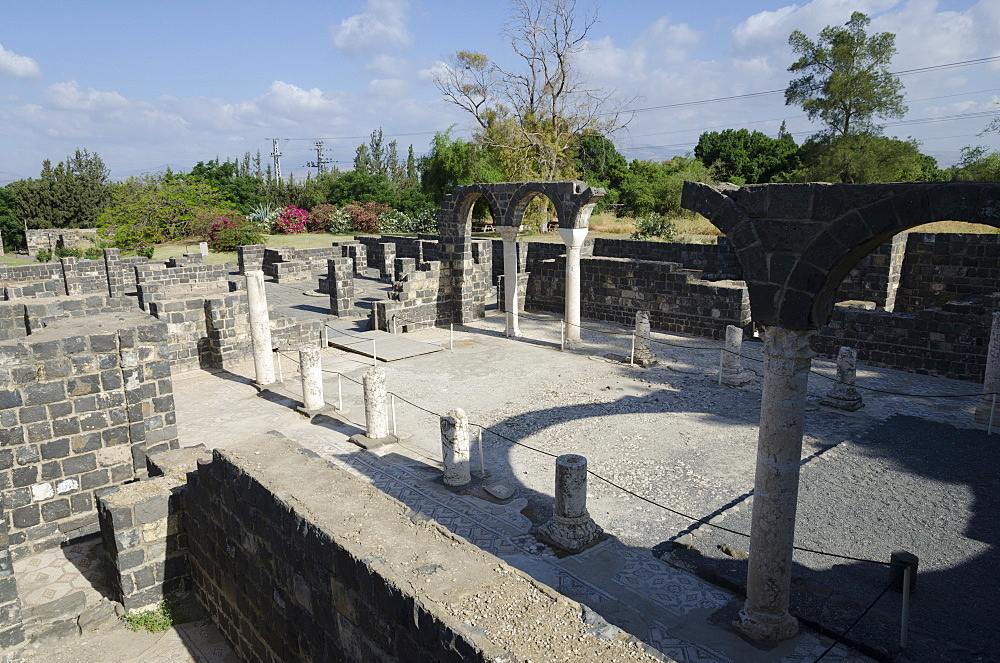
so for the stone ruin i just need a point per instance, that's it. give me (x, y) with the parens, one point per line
(88, 349)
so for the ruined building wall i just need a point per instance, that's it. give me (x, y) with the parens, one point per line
(81, 403)
(51, 238)
(942, 267)
(613, 289)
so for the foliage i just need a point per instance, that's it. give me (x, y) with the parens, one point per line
(649, 226)
(43, 255)
(11, 229)
(744, 157)
(262, 218)
(159, 619)
(846, 83)
(146, 251)
(67, 252)
(321, 216)
(364, 217)
(531, 117)
(229, 232)
(147, 210)
(978, 164)
(361, 185)
(234, 182)
(394, 221)
(455, 162)
(291, 221)
(93, 253)
(865, 159)
(656, 187)
(600, 164)
(70, 195)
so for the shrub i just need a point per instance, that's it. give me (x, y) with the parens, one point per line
(291, 221)
(229, 232)
(321, 216)
(654, 225)
(393, 221)
(365, 216)
(67, 252)
(93, 253)
(43, 255)
(262, 218)
(145, 251)
(158, 619)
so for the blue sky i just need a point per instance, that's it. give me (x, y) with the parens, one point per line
(151, 84)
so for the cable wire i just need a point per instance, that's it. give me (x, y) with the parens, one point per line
(856, 621)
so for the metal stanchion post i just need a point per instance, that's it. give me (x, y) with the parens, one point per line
(993, 413)
(904, 619)
(326, 336)
(722, 356)
(631, 356)
(451, 336)
(482, 467)
(374, 356)
(280, 378)
(340, 394)
(562, 335)
(394, 333)
(392, 409)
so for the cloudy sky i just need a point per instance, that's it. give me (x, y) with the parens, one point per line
(151, 84)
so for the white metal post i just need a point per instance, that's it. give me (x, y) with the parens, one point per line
(280, 377)
(340, 394)
(904, 619)
(631, 356)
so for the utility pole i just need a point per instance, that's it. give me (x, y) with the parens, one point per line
(276, 153)
(320, 163)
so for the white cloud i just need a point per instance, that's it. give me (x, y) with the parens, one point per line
(68, 96)
(380, 27)
(18, 66)
(386, 65)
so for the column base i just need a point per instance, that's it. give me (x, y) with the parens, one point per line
(982, 415)
(843, 398)
(764, 627)
(736, 378)
(571, 534)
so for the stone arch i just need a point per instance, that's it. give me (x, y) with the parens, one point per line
(520, 199)
(797, 242)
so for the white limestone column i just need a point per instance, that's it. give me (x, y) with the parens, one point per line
(733, 374)
(991, 379)
(787, 358)
(573, 238)
(455, 448)
(643, 355)
(571, 527)
(509, 236)
(843, 394)
(260, 328)
(311, 369)
(203, 247)
(376, 404)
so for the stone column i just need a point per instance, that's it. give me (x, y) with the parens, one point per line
(644, 355)
(509, 236)
(991, 380)
(260, 328)
(843, 395)
(376, 404)
(787, 358)
(571, 528)
(573, 238)
(733, 374)
(203, 248)
(311, 369)
(455, 448)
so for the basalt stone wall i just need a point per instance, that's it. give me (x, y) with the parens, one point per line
(250, 257)
(950, 341)
(300, 561)
(941, 267)
(66, 237)
(416, 298)
(613, 289)
(18, 319)
(419, 248)
(81, 404)
(11, 623)
(717, 261)
(159, 282)
(41, 280)
(84, 277)
(289, 264)
(380, 254)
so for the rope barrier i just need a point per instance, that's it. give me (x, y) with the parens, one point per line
(855, 622)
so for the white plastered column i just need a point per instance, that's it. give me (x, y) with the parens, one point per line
(787, 357)
(260, 328)
(509, 236)
(991, 378)
(573, 239)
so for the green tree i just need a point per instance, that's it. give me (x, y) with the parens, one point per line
(845, 82)
(362, 186)
(744, 157)
(978, 164)
(453, 162)
(656, 187)
(71, 194)
(867, 158)
(232, 180)
(148, 210)
(600, 164)
(11, 229)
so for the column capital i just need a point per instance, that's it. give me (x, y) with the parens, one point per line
(573, 237)
(784, 343)
(508, 233)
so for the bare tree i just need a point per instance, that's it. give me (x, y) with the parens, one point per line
(533, 116)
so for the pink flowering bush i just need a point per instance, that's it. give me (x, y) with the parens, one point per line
(291, 221)
(365, 216)
(228, 232)
(321, 217)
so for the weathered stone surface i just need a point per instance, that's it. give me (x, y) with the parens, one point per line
(571, 528)
(844, 395)
(455, 448)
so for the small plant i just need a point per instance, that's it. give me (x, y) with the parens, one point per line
(43, 255)
(229, 232)
(162, 617)
(365, 216)
(654, 225)
(291, 221)
(93, 253)
(320, 217)
(262, 218)
(145, 251)
(67, 252)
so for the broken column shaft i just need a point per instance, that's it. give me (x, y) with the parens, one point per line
(571, 528)
(844, 395)
(643, 353)
(455, 448)
(787, 357)
(311, 369)
(376, 404)
(260, 328)
(991, 379)
(733, 374)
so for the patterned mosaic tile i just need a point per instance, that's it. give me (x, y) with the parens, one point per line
(680, 651)
(57, 573)
(668, 587)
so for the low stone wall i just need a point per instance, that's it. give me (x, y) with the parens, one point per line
(950, 341)
(81, 403)
(942, 267)
(51, 238)
(289, 264)
(300, 561)
(11, 623)
(414, 300)
(613, 289)
(381, 252)
(159, 282)
(716, 261)
(18, 320)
